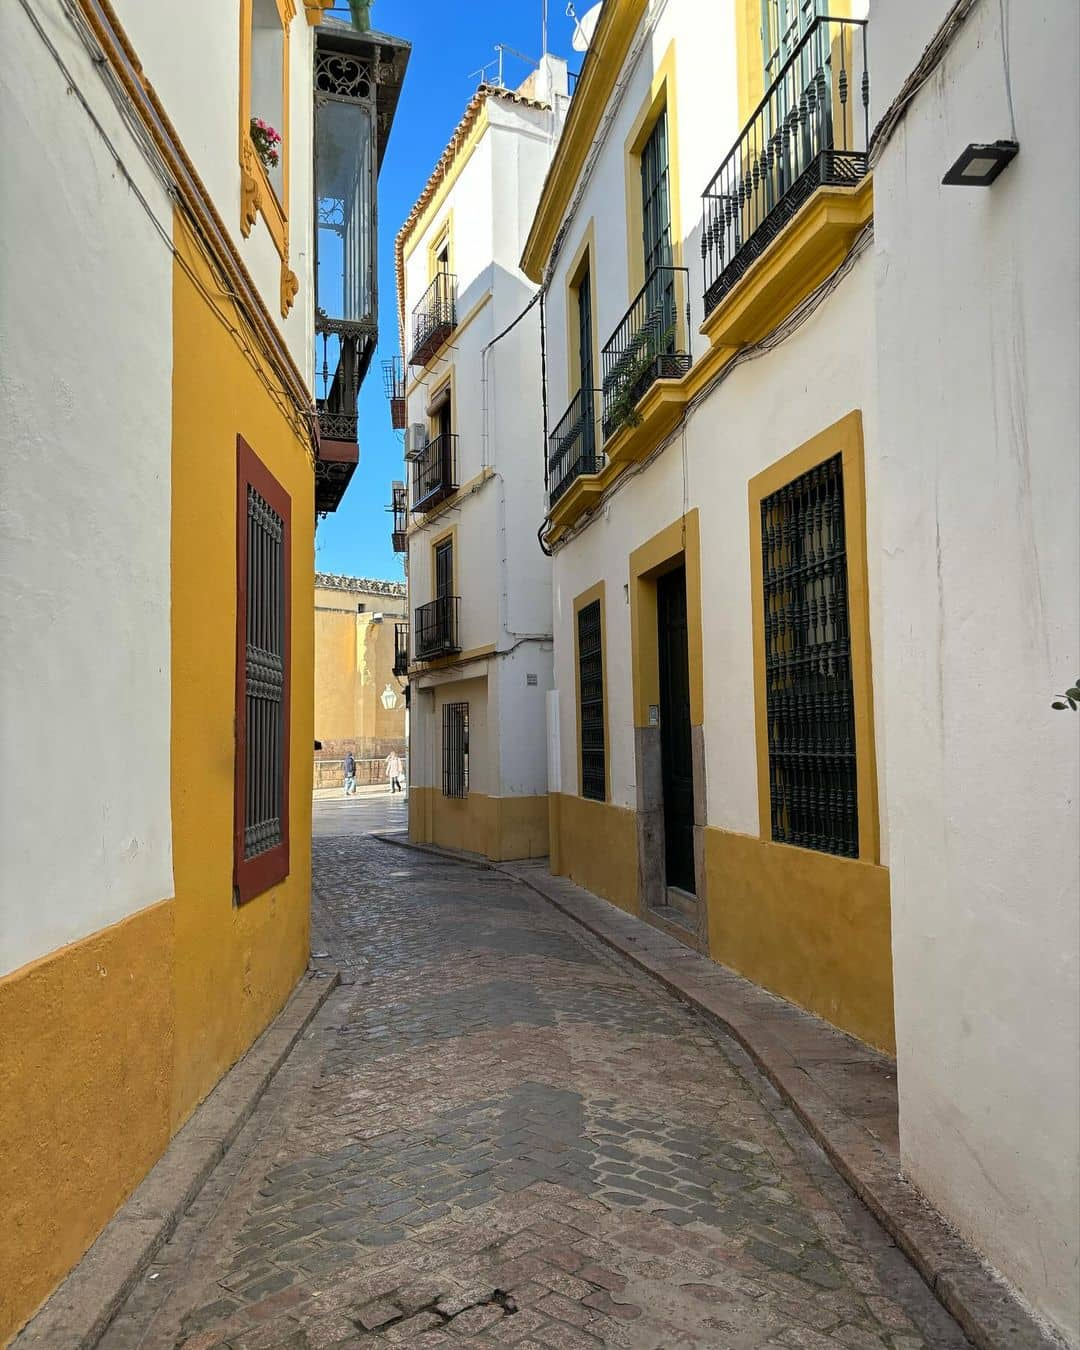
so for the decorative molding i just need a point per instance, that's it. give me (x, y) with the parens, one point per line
(336, 581)
(290, 284)
(315, 9)
(250, 194)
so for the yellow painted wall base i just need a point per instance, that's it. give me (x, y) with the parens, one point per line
(595, 845)
(499, 828)
(85, 1074)
(808, 926)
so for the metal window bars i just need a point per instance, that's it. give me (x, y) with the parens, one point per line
(434, 318)
(804, 134)
(572, 449)
(810, 704)
(264, 677)
(645, 346)
(435, 628)
(455, 750)
(401, 649)
(394, 388)
(435, 472)
(399, 509)
(591, 696)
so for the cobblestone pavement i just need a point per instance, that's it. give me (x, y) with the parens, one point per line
(495, 1133)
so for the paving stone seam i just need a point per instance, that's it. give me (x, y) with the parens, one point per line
(987, 1310)
(79, 1311)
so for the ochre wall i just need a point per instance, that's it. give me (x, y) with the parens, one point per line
(85, 1067)
(595, 845)
(235, 966)
(814, 928)
(499, 828)
(354, 662)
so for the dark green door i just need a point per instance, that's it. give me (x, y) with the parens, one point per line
(676, 754)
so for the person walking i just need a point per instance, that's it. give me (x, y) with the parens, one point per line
(395, 771)
(350, 775)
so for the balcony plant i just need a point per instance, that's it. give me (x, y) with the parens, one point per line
(266, 141)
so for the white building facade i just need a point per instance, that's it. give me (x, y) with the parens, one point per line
(479, 656)
(803, 496)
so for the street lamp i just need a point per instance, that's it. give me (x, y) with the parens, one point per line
(389, 698)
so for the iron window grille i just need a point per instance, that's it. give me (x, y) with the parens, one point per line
(455, 750)
(644, 347)
(394, 388)
(591, 698)
(572, 448)
(435, 472)
(401, 649)
(399, 509)
(809, 699)
(434, 318)
(261, 817)
(804, 134)
(435, 628)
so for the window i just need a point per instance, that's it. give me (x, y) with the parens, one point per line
(591, 696)
(808, 677)
(784, 23)
(444, 569)
(656, 197)
(261, 772)
(455, 750)
(264, 98)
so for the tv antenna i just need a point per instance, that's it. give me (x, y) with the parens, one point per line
(502, 49)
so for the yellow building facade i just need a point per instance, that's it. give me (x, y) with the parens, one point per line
(359, 696)
(158, 559)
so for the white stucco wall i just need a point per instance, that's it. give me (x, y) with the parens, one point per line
(503, 579)
(827, 369)
(979, 429)
(85, 415)
(191, 57)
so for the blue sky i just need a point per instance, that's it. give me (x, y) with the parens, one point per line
(451, 39)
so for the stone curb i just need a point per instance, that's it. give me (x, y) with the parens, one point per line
(989, 1314)
(78, 1313)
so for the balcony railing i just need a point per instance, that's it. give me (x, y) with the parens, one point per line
(645, 346)
(805, 133)
(394, 388)
(435, 630)
(572, 447)
(399, 509)
(401, 649)
(435, 473)
(434, 318)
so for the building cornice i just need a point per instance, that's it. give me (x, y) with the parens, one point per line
(608, 50)
(334, 581)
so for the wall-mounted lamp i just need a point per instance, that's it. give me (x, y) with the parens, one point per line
(979, 165)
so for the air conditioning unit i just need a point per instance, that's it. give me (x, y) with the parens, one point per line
(416, 440)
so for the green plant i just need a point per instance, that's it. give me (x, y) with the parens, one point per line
(622, 409)
(1069, 699)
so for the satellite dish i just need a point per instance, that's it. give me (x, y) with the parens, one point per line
(585, 27)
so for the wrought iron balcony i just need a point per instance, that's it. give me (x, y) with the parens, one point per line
(645, 346)
(435, 628)
(399, 508)
(394, 387)
(401, 649)
(434, 318)
(572, 448)
(435, 473)
(804, 134)
(345, 350)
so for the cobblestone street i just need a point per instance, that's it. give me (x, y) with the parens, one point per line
(495, 1133)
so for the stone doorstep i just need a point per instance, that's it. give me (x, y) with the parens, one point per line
(78, 1313)
(805, 1059)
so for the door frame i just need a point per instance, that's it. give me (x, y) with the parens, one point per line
(678, 544)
